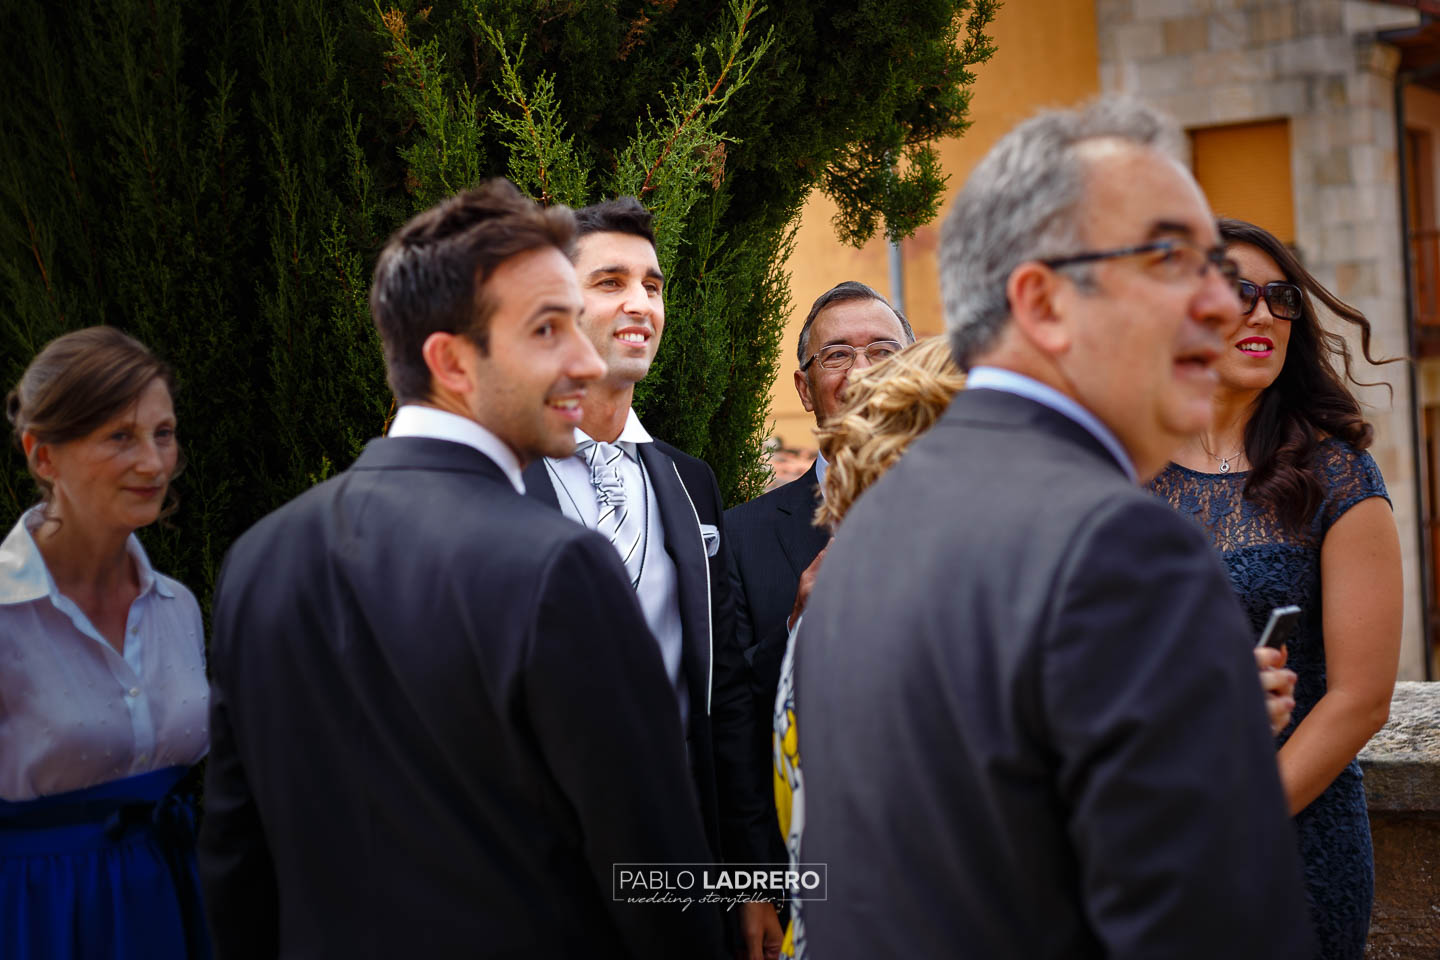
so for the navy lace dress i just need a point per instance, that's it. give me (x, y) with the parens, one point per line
(1272, 567)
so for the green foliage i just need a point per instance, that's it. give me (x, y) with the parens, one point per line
(739, 110)
(669, 163)
(121, 207)
(894, 174)
(217, 179)
(317, 359)
(543, 161)
(444, 158)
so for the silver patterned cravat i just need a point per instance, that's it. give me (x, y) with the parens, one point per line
(622, 511)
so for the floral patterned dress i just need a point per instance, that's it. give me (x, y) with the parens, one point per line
(789, 790)
(1271, 566)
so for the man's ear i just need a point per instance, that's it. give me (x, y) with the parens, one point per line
(1036, 294)
(802, 387)
(449, 358)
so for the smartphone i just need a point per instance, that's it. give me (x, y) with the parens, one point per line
(1280, 627)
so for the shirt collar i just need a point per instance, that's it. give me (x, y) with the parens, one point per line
(417, 420)
(24, 576)
(148, 576)
(1008, 381)
(821, 464)
(632, 433)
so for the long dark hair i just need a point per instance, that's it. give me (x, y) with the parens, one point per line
(1309, 400)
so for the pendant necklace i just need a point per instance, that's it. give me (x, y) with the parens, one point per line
(1223, 461)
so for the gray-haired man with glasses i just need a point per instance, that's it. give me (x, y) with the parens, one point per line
(848, 322)
(1028, 713)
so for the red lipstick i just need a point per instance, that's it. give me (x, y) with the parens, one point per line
(1257, 347)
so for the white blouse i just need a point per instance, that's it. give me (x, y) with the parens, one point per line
(73, 712)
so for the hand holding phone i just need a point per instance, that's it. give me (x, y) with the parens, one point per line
(1280, 627)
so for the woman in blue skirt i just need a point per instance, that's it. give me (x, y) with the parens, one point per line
(103, 697)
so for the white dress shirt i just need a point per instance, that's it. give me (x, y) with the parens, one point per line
(415, 420)
(73, 712)
(1008, 381)
(658, 589)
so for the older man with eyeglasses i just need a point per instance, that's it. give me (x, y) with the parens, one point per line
(773, 541)
(849, 325)
(1025, 694)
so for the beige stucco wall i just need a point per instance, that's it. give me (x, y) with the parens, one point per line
(1031, 68)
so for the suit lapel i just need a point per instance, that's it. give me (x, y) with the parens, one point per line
(799, 538)
(538, 484)
(687, 550)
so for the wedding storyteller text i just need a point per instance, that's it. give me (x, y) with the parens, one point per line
(686, 882)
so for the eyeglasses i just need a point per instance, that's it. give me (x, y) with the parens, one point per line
(1282, 298)
(1177, 259)
(841, 356)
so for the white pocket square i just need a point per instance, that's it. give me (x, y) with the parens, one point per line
(711, 535)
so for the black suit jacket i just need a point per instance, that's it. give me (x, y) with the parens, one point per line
(1029, 720)
(417, 746)
(721, 722)
(772, 540)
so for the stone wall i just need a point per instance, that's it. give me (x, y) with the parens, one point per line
(1402, 786)
(1317, 64)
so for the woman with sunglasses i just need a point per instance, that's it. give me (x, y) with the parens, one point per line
(1283, 484)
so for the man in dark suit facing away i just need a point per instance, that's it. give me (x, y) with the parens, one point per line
(1028, 714)
(437, 717)
(661, 510)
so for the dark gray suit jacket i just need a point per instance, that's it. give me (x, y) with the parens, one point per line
(772, 541)
(1029, 719)
(437, 721)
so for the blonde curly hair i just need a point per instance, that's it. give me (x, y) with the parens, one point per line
(886, 407)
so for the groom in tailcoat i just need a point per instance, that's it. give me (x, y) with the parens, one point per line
(438, 719)
(661, 510)
(1029, 718)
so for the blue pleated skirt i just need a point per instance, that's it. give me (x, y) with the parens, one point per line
(102, 873)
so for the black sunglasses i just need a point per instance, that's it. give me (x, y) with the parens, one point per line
(1282, 298)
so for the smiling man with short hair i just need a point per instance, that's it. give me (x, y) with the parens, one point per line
(661, 510)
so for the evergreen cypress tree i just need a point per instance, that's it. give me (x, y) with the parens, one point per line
(217, 180)
(123, 204)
